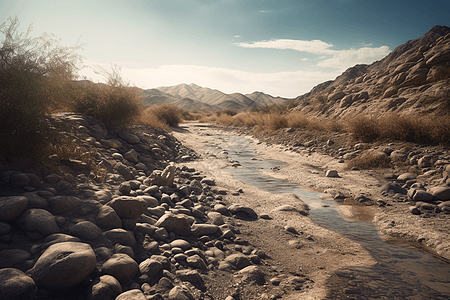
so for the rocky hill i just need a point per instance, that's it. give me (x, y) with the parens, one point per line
(412, 79)
(192, 97)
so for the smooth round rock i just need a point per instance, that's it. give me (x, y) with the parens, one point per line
(11, 207)
(104, 288)
(36, 219)
(85, 230)
(64, 265)
(128, 207)
(121, 266)
(15, 284)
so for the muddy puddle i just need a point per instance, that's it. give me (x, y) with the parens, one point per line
(402, 271)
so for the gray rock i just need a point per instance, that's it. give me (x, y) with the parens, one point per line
(129, 137)
(64, 265)
(425, 161)
(251, 274)
(192, 276)
(392, 187)
(62, 204)
(105, 287)
(57, 238)
(164, 178)
(11, 207)
(161, 234)
(131, 156)
(151, 201)
(107, 218)
(4, 228)
(441, 193)
(35, 201)
(221, 209)
(243, 212)
(182, 244)
(134, 294)
(406, 176)
(85, 230)
(128, 207)
(238, 260)
(19, 179)
(40, 220)
(216, 218)
(150, 267)
(180, 293)
(13, 258)
(63, 185)
(121, 236)
(420, 195)
(124, 171)
(125, 188)
(121, 266)
(174, 223)
(204, 229)
(16, 285)
(195, 261)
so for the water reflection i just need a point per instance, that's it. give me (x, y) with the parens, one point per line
(401, 272)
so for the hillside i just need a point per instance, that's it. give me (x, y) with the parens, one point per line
(412, 79)
(191, 97)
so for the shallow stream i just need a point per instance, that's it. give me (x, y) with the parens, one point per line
(402, 271)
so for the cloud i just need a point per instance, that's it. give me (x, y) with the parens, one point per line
(339, 59)
(284, 84)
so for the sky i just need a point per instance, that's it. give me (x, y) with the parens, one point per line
(279, 47)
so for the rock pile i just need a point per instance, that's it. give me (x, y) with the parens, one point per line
(148, 231)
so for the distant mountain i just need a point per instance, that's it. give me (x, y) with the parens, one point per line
(412, 79)
(191, 97)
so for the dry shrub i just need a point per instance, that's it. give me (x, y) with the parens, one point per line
(35, 77)
(370, 160)
(274, 121)
(167, 114)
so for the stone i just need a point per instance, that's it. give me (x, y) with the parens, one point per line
(118, 248)
(192, 276)
(394, 187)
(36, 201)
(216, 218)
(62, 204)
(131, 156)
(57, 238)
(63, 185)
(11, 207)
(19, 179)
(150, 267)
(221, 209)
(129, 137)
(238, 260)
(16, 285)
(106, 287)
(4, 228)
(174, 223)
(195, 261)
(121, 236)
(128, 207)
(180, 293)
(40, 220)
(441, 193)
(251, 274)
(134, 294)
(243, 212)
(204, 229)
(425, 161)
(209, 182)
(151, 201)
(85, 230)
(164, 178)
(124, 171)
(335, 96)
(331, 173)
(420, 195)
(121, 266)
(125, 188)
(107, 218)
(182, 244)
(13, 258)
(161, 234)
(406, 176)
(64, 265)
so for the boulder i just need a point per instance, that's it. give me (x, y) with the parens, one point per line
(128, 207)
(420, 195)
(121, 236)
(104, 288)
(180, 293)
(57, 238)
(335, 96)
(85, 230)
(19, 179)
(11, 207)
(131, 156)
(174, 223)
(107, 218)
(243, 212)
(121, 266)
(251, 274)
(204, 229)
(196, 262)
(182, 244)
(40, 220)
(331, 173)
(129, 137)
(192, 276)
(216, 218)
(62, 204)
(64, 265)
(13, 258)
(406, 176)
(150, 267)
(238, 260)
(124, 171)
(15, 285)
(164, 178)
(441, 193)
(125, 188)
(134, 294)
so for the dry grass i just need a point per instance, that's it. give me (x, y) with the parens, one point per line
(161, 116)
(369, 160)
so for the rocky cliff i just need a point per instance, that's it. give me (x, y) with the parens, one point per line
(412, 79)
